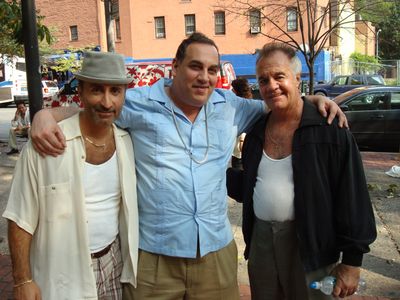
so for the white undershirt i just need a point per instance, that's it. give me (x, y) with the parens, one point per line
(274, 190)
(103, 195)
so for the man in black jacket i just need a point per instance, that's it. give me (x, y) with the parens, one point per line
(306, 207)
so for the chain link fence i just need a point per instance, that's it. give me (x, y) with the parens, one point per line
(389, 69)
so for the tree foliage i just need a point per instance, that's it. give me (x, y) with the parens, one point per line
(386, 17)
(11, 33)
(365, 63)
(313, 18)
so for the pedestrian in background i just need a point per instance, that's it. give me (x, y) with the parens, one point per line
(184, 131)
(241, 88)
(20, 125)
(73, 220)
(306, 207)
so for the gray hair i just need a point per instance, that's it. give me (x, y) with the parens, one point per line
(270, 48)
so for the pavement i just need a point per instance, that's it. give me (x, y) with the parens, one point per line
(381, 267)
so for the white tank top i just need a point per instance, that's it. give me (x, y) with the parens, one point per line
(103, 195)
(274, 190)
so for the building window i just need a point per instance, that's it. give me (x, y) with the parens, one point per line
(255, 21)
(117, 28)
(292, 19)
(219, 17)
(190, 24)
(73, 31)
(159, 23)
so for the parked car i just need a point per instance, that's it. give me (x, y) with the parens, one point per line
(49, 88)
(373, 114)
(344, 83)
(142, 73)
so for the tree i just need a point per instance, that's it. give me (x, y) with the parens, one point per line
(319, 22)
(386, 17)
(11, 33)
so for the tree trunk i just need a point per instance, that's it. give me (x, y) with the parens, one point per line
(311, 83)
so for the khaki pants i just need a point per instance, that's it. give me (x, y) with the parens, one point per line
(12, 136)
(275, 268)
(212, 277)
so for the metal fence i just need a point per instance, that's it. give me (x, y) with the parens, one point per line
(389, 69)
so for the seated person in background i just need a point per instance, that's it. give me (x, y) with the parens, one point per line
(19, 126)
(242, 89)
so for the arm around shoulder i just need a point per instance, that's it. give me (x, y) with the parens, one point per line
(47, 137)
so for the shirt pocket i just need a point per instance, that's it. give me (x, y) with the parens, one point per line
(221, 135)
(58, 201)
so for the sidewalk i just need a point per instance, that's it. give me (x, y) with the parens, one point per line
(381, 265)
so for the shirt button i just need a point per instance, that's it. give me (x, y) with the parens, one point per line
(53, 188)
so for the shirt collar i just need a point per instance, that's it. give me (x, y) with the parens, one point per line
(72, 130)
(310, 117)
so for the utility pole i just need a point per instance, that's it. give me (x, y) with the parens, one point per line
(109, 26)
(377, 43)
(32, 61)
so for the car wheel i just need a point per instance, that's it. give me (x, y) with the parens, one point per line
(320, 94)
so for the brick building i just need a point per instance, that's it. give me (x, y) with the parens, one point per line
(153, 29)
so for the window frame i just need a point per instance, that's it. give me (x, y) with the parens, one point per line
(190, 17)
(255, 20)
(160, 34)
(219, 27)
(292, 19)
(117, 25)
(73, 33)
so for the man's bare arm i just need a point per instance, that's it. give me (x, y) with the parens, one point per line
(328, 106)
(47, 137)
(20, 242)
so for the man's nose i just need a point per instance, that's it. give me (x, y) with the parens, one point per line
(272, 84)
(203, 75)
(107, 99)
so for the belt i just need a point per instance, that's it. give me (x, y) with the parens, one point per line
(101, 252)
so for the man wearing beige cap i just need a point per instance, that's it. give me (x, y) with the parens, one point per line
(73, 232)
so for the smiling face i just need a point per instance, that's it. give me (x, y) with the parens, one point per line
(195, 76)
(279, 86)
(102, 102)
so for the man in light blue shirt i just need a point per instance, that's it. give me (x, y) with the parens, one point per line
(183, 133)
(181, 167)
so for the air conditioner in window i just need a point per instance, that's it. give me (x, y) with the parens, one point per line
(255, 29)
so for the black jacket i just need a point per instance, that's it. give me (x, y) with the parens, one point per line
(333, 211)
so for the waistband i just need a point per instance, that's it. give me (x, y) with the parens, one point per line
(102, 252)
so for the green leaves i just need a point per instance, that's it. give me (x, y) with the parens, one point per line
(11, 33)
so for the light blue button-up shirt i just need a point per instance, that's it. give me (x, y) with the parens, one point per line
(180, 201)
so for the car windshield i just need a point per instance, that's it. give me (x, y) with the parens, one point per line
(51, 84)
(339, 80)
(375, 79)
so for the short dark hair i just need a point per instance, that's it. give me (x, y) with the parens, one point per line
(196, 37)
(241, 87)
(270, 48)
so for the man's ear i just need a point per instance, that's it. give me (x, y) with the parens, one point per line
(174, 67)
(298, 79)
